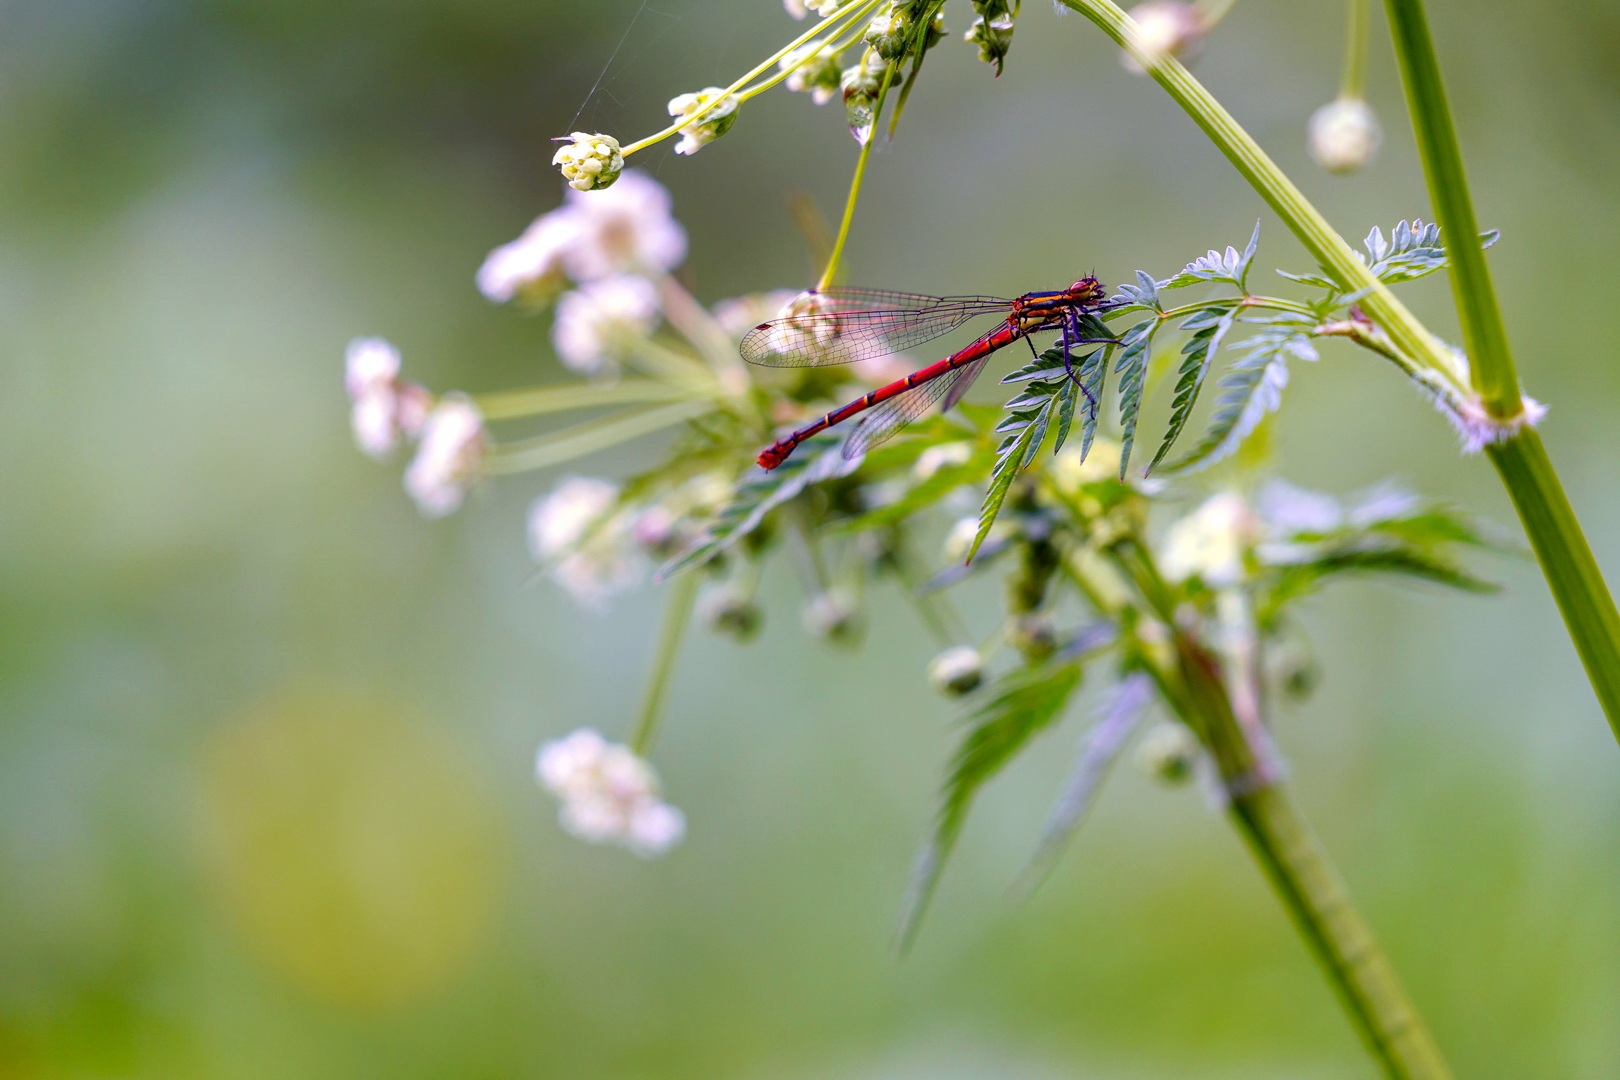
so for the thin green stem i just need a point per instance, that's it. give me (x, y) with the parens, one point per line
(682, 599)
(1484, 336)
(856, 8)
(830, 274)
(1353, 80)
(540, 400)
(556, 447)
(1573, 574)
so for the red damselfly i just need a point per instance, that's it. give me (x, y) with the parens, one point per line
(840, 326)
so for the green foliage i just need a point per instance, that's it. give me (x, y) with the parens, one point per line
(1249, 391)
(1022, 704)
(1210, 326)
(759, 492)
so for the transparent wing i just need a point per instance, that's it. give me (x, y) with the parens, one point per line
(883, 421)
(841, 326)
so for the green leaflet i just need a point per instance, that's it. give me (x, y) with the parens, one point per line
(1023, 704)
(1210, 326)
(1131, 367)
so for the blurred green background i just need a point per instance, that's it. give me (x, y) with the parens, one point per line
(266, 736)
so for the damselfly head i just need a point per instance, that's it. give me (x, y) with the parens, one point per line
(1088, 290)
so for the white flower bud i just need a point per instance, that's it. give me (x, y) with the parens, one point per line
(956, 671)
(560, 520)
(715, 122)
(1165, 28)
(369, 364)
(730, 610)
(450, 459)
(589, 162)
(531, 265)
(833, 617)
(1344, 135)
(1168, 753)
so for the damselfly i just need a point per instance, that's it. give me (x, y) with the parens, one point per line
(840, 326)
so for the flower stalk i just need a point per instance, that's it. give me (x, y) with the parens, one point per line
(682, 599)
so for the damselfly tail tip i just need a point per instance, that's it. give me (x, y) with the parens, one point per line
(770, 457)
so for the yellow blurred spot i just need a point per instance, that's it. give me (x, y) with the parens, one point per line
(356, 851)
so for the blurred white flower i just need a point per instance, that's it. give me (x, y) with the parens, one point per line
(561, 519)
(596, 322)
(935, 458)
(1211, 542)
(369, 364)
(626, 229)
(794, 8)
(1344, 135)
(716, 120)
(450, 459)
(1288, 510)
(608, 794)
(1165, 28)
(533, 263)
(383, 408)
(833, 616)
(589, 546)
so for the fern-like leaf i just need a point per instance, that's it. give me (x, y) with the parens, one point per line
(1210, 326)
(1131, 369)
(1022, 705)
(1251, 389)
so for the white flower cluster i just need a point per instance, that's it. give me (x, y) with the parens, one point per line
(608, 794)
(608, 244)
(1213, 542)
(719, 113)
(594, 548)
(589, 162)
(799, 8)
(452, 443)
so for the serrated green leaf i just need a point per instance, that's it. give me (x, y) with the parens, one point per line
(1248, 392)
(1310, 279)
(1094, 381)
(1066, 403)
(1248, 257)
(1023, 704)
(1131, 368)
(1197, 355)
(1008, 455)
(1290, 583)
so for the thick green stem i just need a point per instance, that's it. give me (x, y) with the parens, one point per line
(1279, 192)
(1588, 609)
(1484, 336)
(1572, 573)
(1343, 944)
(1299, 870)
(682, 598)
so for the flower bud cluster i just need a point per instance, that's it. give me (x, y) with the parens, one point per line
(608, 794)
(813, 69)
(991, 31)
(719, 112)
(861, 84)
(891, 31)
(589, 162)
(799, 8)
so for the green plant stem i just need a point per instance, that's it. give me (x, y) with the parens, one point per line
(1484, 336)
(1321, 908)
(830, 273)
(1353, 80)
(1588, 609)
(1577, 583)
(1299, 871)
(556, 447)
(539, 400)
(1285, 199)
(682, 599)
